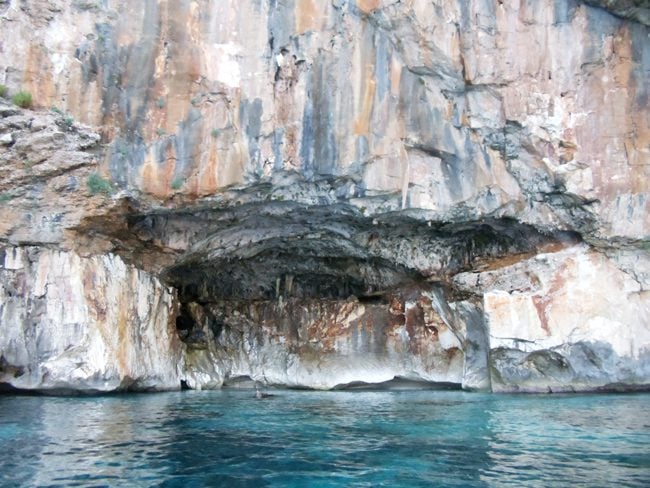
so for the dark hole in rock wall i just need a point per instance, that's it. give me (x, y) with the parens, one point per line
(184, 323)
(253, 253)
(243, 381)
(291, 272)
(278, 274)
(308, 254)
(310, 277)
(8, 369)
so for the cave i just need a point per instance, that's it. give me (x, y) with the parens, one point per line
(323, 296)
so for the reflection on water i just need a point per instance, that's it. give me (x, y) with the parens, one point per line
(389, 438)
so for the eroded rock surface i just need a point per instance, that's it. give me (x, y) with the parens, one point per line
(84, 324)
(570, 320)
(328, 343)
(336, 191)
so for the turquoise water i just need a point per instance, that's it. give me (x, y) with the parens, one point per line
(388, 438)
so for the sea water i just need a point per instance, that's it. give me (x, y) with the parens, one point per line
(312, 439)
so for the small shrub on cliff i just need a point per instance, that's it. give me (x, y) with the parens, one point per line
(3, 91)
(177, 184)
(121, 150)
(22, 99)
(97, 184)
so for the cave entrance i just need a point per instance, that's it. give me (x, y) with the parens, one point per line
(319, 297)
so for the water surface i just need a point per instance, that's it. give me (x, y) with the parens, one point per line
(387, 438)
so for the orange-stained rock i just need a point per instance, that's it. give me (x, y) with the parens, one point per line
(493, 86)
(334, 154)
(320, 344)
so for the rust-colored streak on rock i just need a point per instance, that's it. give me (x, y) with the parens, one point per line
(362, 122)
(206, 181)
(122, 337)
(37, 80)
(414, 325)
(540, 303)
(177, 66)
(368, 6)
(432, 322)
(97, 305)
(308, 16)
(157, 177)
(329, 321)
(454, 353)
(561, 278)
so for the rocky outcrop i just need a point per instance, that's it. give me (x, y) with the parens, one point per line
(84, 324)
(341, 191)
(638, 10)
(565, 321)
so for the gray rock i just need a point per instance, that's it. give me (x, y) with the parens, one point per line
(6, 139)
(581, 366)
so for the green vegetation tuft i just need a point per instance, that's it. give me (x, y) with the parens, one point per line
(22, 99)
(5, 197)
(68, 121)
(97, 184)
(121, 150)
(215, 133)
(160, 103)
(3, 91)
(160, 131)
(177, 184)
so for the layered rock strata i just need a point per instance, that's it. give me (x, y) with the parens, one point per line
(324, 194)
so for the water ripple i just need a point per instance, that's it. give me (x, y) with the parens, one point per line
(418, 438)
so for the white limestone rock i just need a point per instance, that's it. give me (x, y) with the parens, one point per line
(84, 324)
(570, 320)
(324, 344)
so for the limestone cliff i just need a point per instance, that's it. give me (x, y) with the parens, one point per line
(90, 324)
(324, 193)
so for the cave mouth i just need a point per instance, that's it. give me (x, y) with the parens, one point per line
(276, 286)
(316, 259)
(279, 274)
(311, 254)
(326, 300)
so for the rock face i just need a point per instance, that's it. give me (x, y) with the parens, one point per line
(89, 324)
(324, 343)
(568, 320)
(327, 193)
